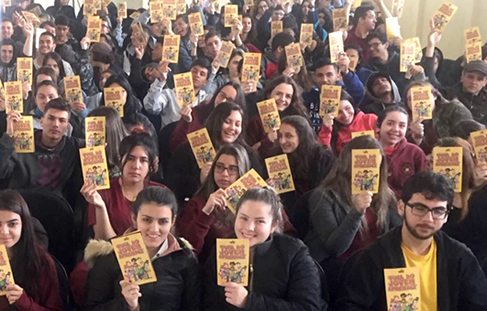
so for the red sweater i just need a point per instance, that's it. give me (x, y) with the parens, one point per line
(178, 136)
(49, 297)
(361, 122)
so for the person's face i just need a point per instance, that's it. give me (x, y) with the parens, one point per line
(55, 124)
(103, 78)
(24, 4)
(254, 222)
(226, 94)
(7, 30)
(156, 29)
(46, 44)
(326, 75)
(10, 228)
(105, 28)
(50, 29)
(473, 82)
(368, 21)
(200, 76)
(7, 53)
(305, 7)
(277, 15)
(155, 223)
(213, 45)
(352, 53)
(124, 92)
(288, 138)
(421, 227)
(62, 32)
(44, 95)
(231, 127)
(246, 24)
(345, 112)
(42, 77)
(408, 98)
(136, 166)
(53, 64)
(157, 52)
(283, 94)
(180, 27)
(151, 74)
(233, 66)
(322, 19)
(393, 128)
(377, 48)
(226, 171)
(262, 7)
(381, 87)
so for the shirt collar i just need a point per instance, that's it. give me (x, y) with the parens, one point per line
(161, 250)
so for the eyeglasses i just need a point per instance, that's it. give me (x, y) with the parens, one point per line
(232, 169)
(421, 210)
(375, 45)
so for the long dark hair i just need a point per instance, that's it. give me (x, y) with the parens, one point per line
(133, 105)
(29, 259)
(296, 107)
(302, 78)
(217, 118)
(337, 125)
(57, 58)
(144, 140)
(252, 35)
(339, 181)
(205, 109)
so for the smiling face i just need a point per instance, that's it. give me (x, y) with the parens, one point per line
(137, 166)
(378, 49)
(46, 44)
(180, 27)
(246, 24)
(254, 222)
(346, 112)
(232, 127)
(288, 138)
(155, 223)
(283, 95)
(393, 128)
(10, 228)
(6, 53)
(225, 178)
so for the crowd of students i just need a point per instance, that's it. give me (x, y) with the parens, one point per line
(318, 247)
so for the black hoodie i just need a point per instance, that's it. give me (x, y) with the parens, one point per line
(8, 71)
(371, 103)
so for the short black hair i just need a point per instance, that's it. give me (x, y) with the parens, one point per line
(5, 20)
(47, 33)
(45, 83)
(202, 62)
(58, 104)
(62, 20)
(375, 34)
(212, 32)
(357, 48)
(361, 12)
(158, 195)
(431, 185)
(282, 39)
(322, 62)
(47, 23)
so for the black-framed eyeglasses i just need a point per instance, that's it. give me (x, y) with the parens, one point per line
(232, 169)
(438, 213)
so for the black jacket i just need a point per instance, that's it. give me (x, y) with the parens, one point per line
(371, 103)
(475, 103)
(284, 278)
(177, 286)
(461, 284)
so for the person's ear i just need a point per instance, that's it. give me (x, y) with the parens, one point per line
(275, 225)
(401, 208)
(386, 45)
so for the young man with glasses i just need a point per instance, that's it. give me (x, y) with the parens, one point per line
(450, 276)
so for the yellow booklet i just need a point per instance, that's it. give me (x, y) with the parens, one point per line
(269, 115)
(113, 98)
(156, 11)
(306, 35)
(138, 33)
(122, 9)
(276, 27)
(14, 99)
(340, 19)
(355, 5)
(392, 28)
(443, 16)
(7, 3)
(293, 55)
(363, 133)
(95, 168)
(418, 52)
(280, 173)
(365, 170)
(448, 161)
(336, 45)
(397, 8)
(232, 261)
(251, 67)
(170, 50)
(2, 90)
(6, 275)
(225, 53)
(170, 9)
(408, 56)
(181, 7)
(95, 131)
(133, 258)
(231, 14)
(196, 24)
(184, 88)
(479, 141)
(330, 99)
(234, 192)
(403, 289)
(202, 146)
(91, 7)
(31, 17)
(472, 35)
(94, 28)
(421, 102)
(24, 135)
(24, 69)
(134, 15)
(473, 51)
(72, 89)
(353, 62)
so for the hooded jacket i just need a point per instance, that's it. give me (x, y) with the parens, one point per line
(8, 71)
(475, 103)
(391, 68)
(176, 288)
(371, 103)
